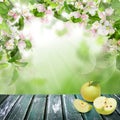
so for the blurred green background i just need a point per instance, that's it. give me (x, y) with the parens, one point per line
(62, 59)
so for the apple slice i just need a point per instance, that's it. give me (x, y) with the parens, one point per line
(104, 105)
(82, 106)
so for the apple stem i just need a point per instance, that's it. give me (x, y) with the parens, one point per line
(89, 83)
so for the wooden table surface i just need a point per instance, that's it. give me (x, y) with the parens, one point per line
(48, 107)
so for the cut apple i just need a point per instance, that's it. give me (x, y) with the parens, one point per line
(82, 106)
(104, 105)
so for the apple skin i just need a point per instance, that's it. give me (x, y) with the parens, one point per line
(90, 92)
(109, 102)
(82, 106)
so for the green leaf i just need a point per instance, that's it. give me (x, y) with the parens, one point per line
(118, 62)
(15, 55)
(21, 64)
(94, 18)
(4, 26)
(38, 14)
(40, 1)
(117, 24)
(1, 55)
(14, 76)
(60, 17)
(94, 82)
(53, 4)
(20, 23)
(67, 7)
(3, 65)
(103, 6)
(115, 36)
(76, 20)
(28, 44)
(4, 9)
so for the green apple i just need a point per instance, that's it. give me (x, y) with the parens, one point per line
(104, 105)
(90, 91)
(82, 106)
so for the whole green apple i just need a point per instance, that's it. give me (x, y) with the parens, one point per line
(90, 91)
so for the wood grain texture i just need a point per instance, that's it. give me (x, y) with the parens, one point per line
(19, 110)
(49, 107)
(3, 97)
(54, 108)
(70, 113)
(37, 109)
(7, 105)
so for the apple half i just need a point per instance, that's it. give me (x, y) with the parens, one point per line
(104, 105)
(82, 106)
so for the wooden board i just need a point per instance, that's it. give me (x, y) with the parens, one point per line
(49, 107)
(36, 111)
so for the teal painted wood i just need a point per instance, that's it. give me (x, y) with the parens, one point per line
(7, 105)
(69, 112)
(2, 97)
(114, 115)
(19, 110)
(91, 115)
(118, 102)
(37, 109)
(54, 108)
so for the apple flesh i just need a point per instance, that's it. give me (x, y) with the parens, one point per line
(90, 91)
(104, 105)
(82, 106)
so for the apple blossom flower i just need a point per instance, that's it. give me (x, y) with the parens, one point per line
(84, 17)
(79, 5)
(95, 25)
(1, 20)
(49, 12)
(9, 44)
(102, 30)
(91, 8)
(109, 11)
(40, 7)
(75, 14)
(21, 44)
(102, 15)
(13, 14)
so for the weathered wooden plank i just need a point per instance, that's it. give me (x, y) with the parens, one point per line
(91, 115)
(19, 110)
(54, 109)
(37, 109)
(113, 116)
(7, 105)
(118, 102)
(69, 112)
(3, 97)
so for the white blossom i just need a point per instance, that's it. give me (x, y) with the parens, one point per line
(102, 15)
(1, 20)
(75, 14)
(109, 11)
(40, 7)
(9, 44)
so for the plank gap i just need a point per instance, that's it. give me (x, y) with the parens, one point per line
(62, 106)
(29, 107)
(46, 107)
(3, 97)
